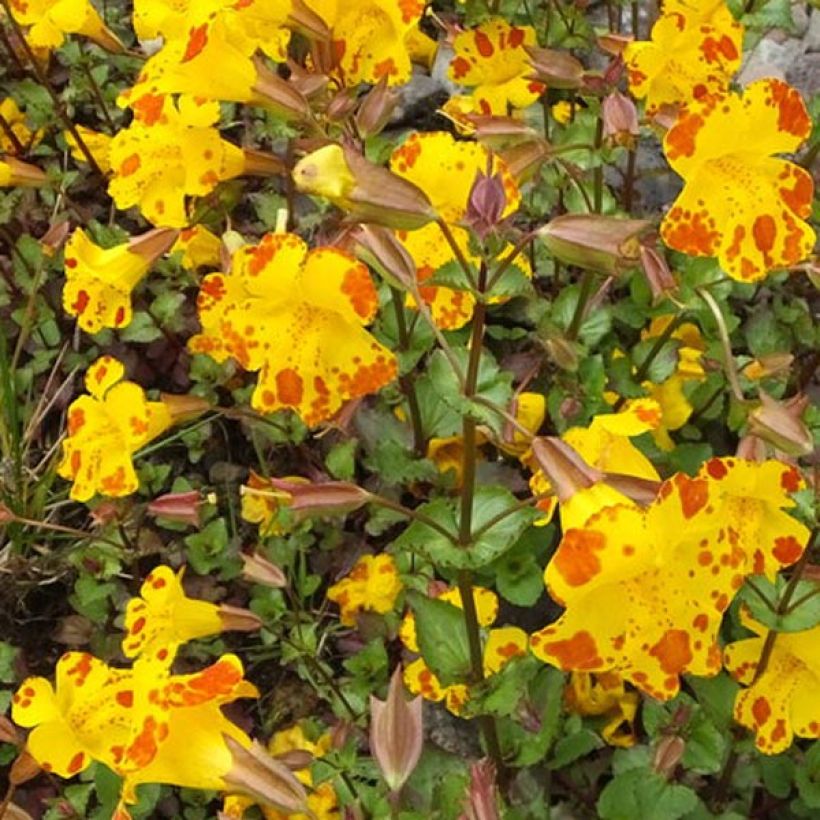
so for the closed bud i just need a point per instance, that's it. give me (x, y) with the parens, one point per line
(237, 619)
(562, 351)
(54, 238)
(307, 22)
(767, 367)
(272, 92)
(563, 466)
(342, 104)
(525, 159)
(184, 407)
(501, 132)
(396, 737)
(380, 249)
(620, 119)
(368, 192)
(24, 768)
(668, 754)
(153, 244)
(481, 802)
(376, 109)
(182, 507)
(262, 164)
(485, 204)
(606, 244)
(558, 69)
(269, 781)
(9, 733)
(614, 44)
(258, 570)
(320, 497)
(13, 172)
(661, 280)
(780, 423)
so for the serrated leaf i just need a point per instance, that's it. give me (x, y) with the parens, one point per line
(572, 747)
(762, 597)
(341, 460)
(442, 637)
(641, 794)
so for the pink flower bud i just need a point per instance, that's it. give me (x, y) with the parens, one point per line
(396, 737)
(376, 108)
(486, 203)
(380, 249)
(318, 498)
(558, 69)
(661, 280)
(620, 118)
(481, 800)
(182, 507)
(780, 423)
(259, 570)
(668, 754)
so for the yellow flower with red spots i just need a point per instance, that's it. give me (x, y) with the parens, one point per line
(739, 202)
(99, 280)
(261, 503)
(200, 248)
(782, 701)
(501, 646)
(105, 429)
(97, 143)
(297, 316)
(604, 695)
(174, 154)
(645, 590)
(48, 22)
(492, 59)
(694, 51)
(371, 586)
(17, 124)
(369, 38)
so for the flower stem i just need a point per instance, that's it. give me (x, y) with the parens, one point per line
(510, 258)
(415, 515)
(457, 252)
(587, 283)
(728, 359)
(406, 381)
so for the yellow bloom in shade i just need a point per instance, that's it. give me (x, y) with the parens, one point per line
(693, 53)
(492, 58)
(605, 444)
(99, 280)
(782, 702)
(48, 22)
(164, 617)
(200, 248)
(645, 590)
(425, 159)
(447, 453)
(178, 153)
(604, 695)
(105, 429)
(297, 316)
(371, 586)
(740, 203)
(98, 144)
(561, 111)
(16, 121)
(501, 646)
(369, 37)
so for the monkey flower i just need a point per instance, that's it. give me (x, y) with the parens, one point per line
(48, 22)
(371, 586)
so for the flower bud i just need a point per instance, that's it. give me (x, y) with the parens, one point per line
(321, 497)
(567, 472)
(307, 22)
(481, 801)
(642, 491)
(262, 164)
(153, 244)
(342, 104)
(182, 507)
(524, 160)
(661, 281)
(271, 91)
(13, 172)
(396, 737)
(564, 352)
(767, 367)
(24, 768)
(668, 754)
(54, 238)
(379, 248)
(558, 69)
(9, 733)
(368, 192)
(258, 570)
(376, 109)
(780, 423)
(606, 244)
(255, 773)
(184, 407)
(501, 132)
(620, 119)
(614, 44)
(236, 619)
(485, 204)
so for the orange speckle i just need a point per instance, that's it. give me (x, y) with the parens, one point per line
(694, 494)
(125, 698)
(576, 560)
(483, 44)
(716, 468)
(290, 386)
(701, 622)
(787, 549)
(579, 652)
(672, 651)
(197, 40)
(76, 763)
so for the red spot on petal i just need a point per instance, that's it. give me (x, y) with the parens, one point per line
(716, 468)
(483, 44)
(764, 231)
(290, 386)
(197, 40)
(787, 549)
(672, 651)
(578, 652)
(761, 711)
(694, 494)
(576, 558)
(76, 763)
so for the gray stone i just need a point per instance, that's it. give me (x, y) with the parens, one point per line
(771, 59)
(804, 75)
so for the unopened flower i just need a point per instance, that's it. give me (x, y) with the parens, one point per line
(371, 586)
(368, 192)
(184, 507)
(105, 429)
(620, 118)
(557, 69)
(493, 59)
(693, 53)
(645, 590)
(739, 203)
(376, 109)
(99, 280)
(481, 800)
(14, 173)
(258, 570)
(48, 21)
(396, 736)
(781, 424)
(296, 316)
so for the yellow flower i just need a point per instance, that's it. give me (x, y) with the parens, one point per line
(50, 20)
(200, 248)
(261, 503)
(605, 444)
(178, 153)
(98, 144)
(163, 618)
(447, 453)
(99, 280)
(426, 159)
(502, 645)
(297, 316)
(561, 111)
(694, 52)
(782, 702)
(739, 203)
(645, 590)
(369, 37)
(604, 695)
(105, 429)
(16, 120)
(492, 58)
(371, 586)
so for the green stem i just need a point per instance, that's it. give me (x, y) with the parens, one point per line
(457, 252)
(415, 515)
(580, 309)
(97, 94)
(406, 382)
(598, 171)
(510, 258)
(728, 359)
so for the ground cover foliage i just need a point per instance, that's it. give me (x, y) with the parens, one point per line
(406, 412)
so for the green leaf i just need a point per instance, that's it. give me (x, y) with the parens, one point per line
(92, 597)
(807, 777)
(341, 460)
(572, 747)
(442, 637)
(519, 580)
(716, 697)
(142, 329)
(778, 774)
(762, 596)
(207, 548)
(641, 794)
(7, 655)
